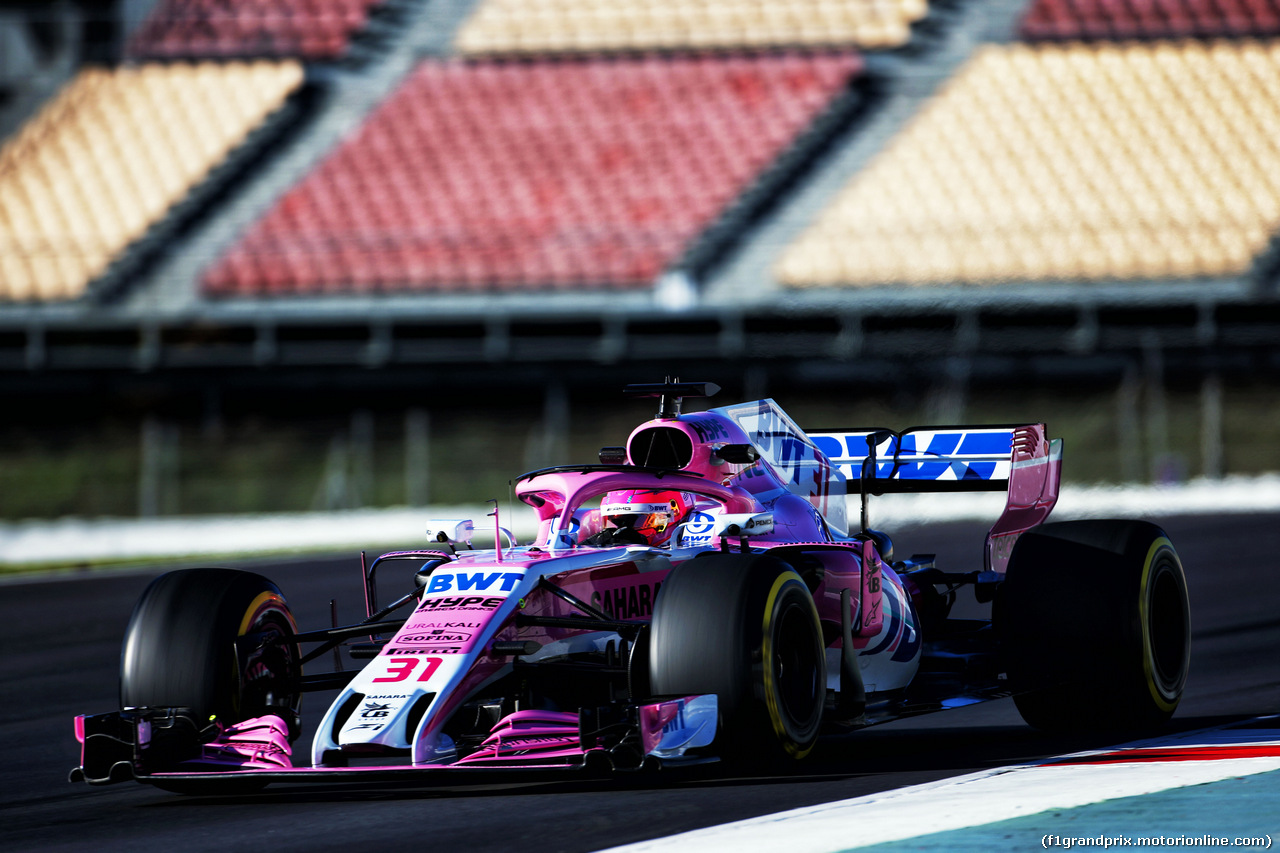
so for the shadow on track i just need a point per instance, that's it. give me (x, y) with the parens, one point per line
(933, 752)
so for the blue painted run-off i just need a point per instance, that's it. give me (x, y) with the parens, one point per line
(1243, 806)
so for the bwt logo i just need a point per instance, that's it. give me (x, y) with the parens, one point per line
(785, 450)
(478, 581)
(458, 602)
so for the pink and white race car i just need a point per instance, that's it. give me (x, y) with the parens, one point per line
(697, 596)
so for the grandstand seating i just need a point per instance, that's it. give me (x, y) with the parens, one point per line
(533, 174)
(306, 29)
(1126, 19)
(110, 155)
(1142, 160)
(561, 26)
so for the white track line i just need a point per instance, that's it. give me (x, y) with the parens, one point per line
(967, 801)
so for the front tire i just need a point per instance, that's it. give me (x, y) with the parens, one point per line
(1095, 623)
(215, 641)
(745, 628)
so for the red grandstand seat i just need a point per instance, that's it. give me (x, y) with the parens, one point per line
(1265, 15)
(317, 30)
(1235, 20)
(554, 173)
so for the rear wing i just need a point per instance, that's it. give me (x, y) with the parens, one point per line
(925, 459)
(1016, 459)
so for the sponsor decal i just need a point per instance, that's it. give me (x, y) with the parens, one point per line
(897, 634)
(623, 509)
(708, 429)
(873, 576)
(697, 530)
(477, 581)
(437, 636)
(700, 523)
(454, 626)
(400, 668)
(701, 528)
(434, 641)
(391, 696)
(371, 726)
(787, 450)
(375, 710)
(627, 602)
(1002, 548)
(677, 722)
(459, 602)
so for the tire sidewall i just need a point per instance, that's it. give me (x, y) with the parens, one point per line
(721, 625)
(1165, 638)
(191, 643)
(1094, 622)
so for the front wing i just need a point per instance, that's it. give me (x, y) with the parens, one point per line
(165, 746)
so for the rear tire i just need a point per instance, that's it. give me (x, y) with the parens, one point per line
(745, 628)
(195, 641)
(1094, 622)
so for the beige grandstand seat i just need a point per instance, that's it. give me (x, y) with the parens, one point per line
(108, 156)
(1107, 161)
(553, 26)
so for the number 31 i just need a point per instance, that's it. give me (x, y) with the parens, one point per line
(398, 669)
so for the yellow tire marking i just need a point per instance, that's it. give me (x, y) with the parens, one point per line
(257, 606)
(770, 693)
(1144, 616)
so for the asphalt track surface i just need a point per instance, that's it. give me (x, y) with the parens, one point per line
(60, 641)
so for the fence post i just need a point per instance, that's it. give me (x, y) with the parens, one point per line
(417, 458)
(1128, 425)
(1211, 447)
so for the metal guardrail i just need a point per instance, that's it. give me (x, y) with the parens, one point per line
(1198, 323)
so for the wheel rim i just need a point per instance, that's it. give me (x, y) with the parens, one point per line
(1168, 628)
(796, 669)
(266, 675)
(794, 678)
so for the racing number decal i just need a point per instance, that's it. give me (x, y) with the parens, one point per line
(398, 669)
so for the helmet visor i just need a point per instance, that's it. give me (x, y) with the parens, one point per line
(641, 521)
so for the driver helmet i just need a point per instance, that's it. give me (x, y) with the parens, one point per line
(652, 514)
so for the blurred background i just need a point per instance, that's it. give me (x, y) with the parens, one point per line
(292, 255)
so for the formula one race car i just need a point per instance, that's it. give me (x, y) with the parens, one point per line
(696, 596)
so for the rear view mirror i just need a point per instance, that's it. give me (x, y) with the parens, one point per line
(451, 530)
